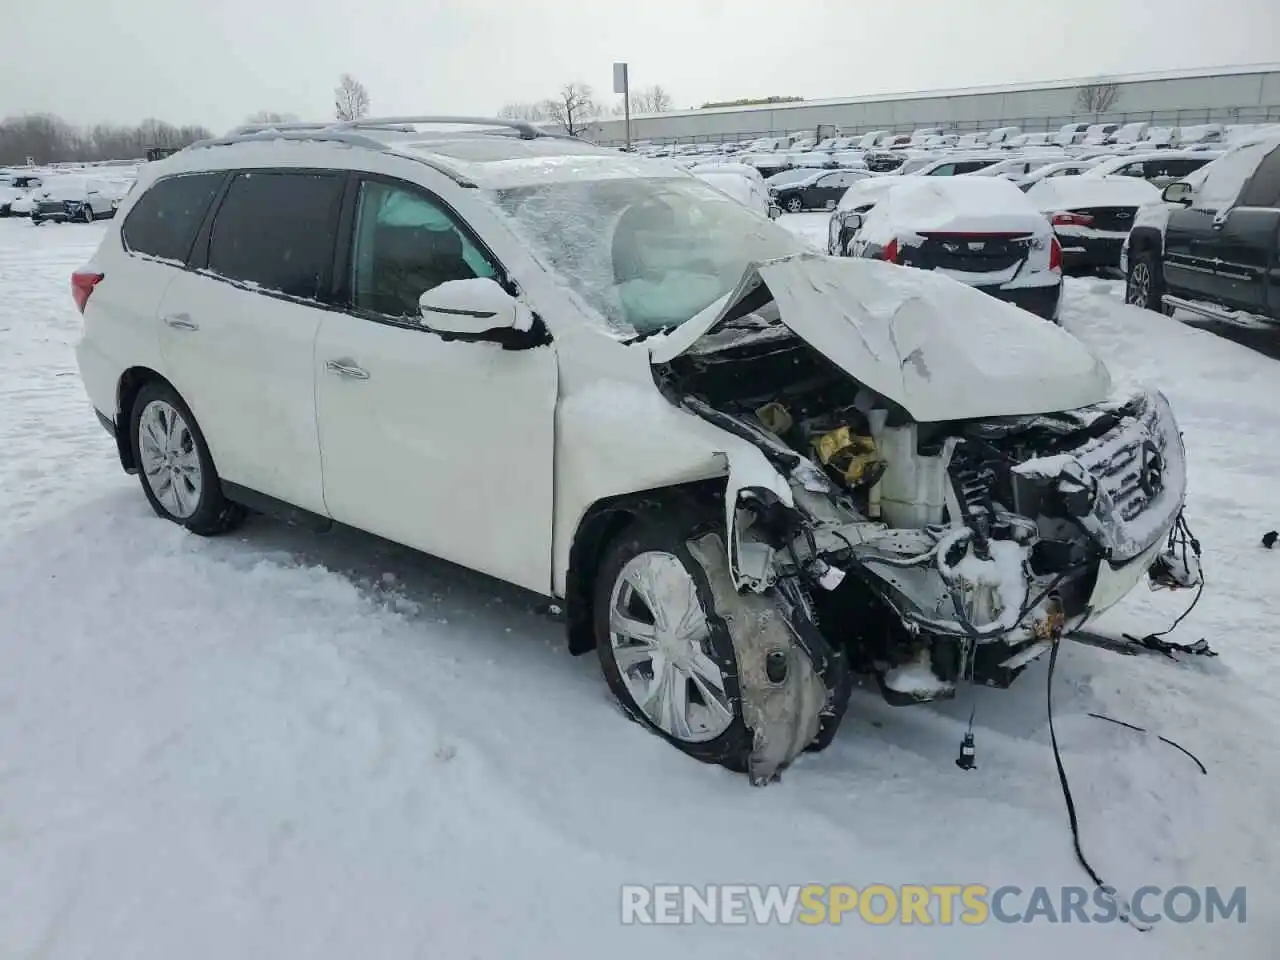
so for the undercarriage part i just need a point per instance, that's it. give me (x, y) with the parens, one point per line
(784, 717)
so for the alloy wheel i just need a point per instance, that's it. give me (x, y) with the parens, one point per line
(169, 458)
(1138, 289)
(660, 638)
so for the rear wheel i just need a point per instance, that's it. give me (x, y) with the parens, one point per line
(664, 649)
(1144, 285)
(86, 213)
(174, 464)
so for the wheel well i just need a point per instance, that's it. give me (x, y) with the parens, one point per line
(1142, 241)
(131, 383)
(604, 522)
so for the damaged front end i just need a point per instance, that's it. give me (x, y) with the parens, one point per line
(926, 552)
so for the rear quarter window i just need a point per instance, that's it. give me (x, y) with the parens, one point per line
(164, 221)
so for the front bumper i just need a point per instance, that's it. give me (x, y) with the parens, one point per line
(67, 210)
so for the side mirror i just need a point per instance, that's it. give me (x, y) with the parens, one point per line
(479, 309)
(775, 211)
(852, 222)
(1178, 192)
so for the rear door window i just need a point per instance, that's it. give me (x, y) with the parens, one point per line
(276, 230)
(164, 221)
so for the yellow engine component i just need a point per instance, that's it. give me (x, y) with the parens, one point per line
(853, 455)
(775, 418)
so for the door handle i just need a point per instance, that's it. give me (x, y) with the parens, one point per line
(346, 368)
(181, 321)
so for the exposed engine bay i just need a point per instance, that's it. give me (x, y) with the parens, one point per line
(931, 553)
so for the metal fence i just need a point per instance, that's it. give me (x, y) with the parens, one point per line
(1041, 124)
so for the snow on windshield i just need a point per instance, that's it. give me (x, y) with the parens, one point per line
(646, 254)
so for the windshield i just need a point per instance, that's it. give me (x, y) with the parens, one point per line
(647, 254)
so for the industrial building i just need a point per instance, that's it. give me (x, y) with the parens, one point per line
(1242, 94)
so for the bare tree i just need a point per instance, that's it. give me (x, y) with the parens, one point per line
(350, 99)
(655, 99)
(573, 109)
(1098, 97)
(271, 116)
(533, 112)
(45, 138)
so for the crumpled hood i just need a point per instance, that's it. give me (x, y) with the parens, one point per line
(938, 348)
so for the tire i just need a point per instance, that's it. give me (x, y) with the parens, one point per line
(87, 213)
(1144, 284)
(175, 469)
(793, 204)
(713, 728)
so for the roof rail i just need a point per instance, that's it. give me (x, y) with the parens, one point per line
(526, 129)
(328, 134)
(282, 127)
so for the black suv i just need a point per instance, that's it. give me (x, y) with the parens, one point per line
(1213, 248)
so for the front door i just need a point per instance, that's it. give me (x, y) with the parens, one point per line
(1188, 261)
(444, 446)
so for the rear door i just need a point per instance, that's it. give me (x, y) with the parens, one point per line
(238, 331)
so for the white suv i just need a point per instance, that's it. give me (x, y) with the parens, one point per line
(746, 468)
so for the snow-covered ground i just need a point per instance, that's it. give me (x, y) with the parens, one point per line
(277, 744)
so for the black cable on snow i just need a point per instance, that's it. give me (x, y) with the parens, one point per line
(1176, 746)
(1125, 913)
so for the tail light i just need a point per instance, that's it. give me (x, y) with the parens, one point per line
(1064, 219)
(82, 284)
(1055, 255)
(890, 252)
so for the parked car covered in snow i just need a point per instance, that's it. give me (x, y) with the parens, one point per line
(747, 188)
(1063, 168)
(1091, 215)
(982, 232)
(745, 469)
(1160, 168)
(73, 197)
(15, 188)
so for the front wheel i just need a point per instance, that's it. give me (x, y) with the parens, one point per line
(86, 214)
(174, 464)
(1144, 285)
(664, 648)
(793, 205)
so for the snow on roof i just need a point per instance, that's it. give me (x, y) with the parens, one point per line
(1073, 193)
(925, 204)
(871, 189)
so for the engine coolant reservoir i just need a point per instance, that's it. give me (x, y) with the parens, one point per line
(913, 488)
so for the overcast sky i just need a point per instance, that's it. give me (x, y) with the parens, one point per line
(215, 61)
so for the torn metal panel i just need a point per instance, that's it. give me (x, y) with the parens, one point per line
(783, 716)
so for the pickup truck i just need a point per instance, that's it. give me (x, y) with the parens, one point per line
(1212, 246)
